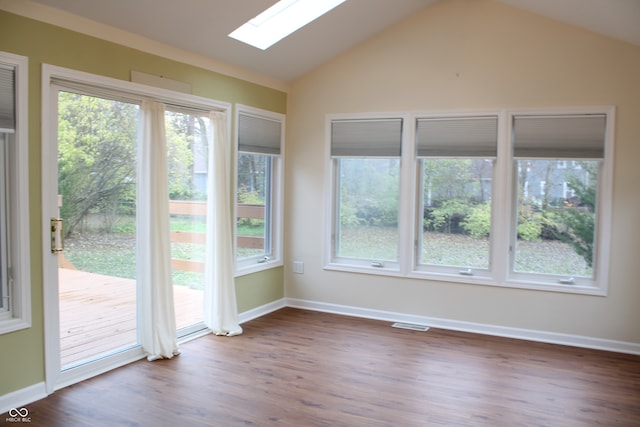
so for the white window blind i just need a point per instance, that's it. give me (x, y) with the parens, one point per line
(559, 137)
(366, 138)
(259, 134)
(457, 137)
(7, 98)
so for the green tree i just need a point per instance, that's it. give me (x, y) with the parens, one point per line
(187, 145)
(580, 220)
(96, 157)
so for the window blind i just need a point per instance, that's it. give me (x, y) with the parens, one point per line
(7, 99)
(559, 136)
(366, 138)
(457, 137)
(259, 134)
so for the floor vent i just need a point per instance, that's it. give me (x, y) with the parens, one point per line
(409, 326)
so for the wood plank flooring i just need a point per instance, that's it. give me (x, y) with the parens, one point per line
(98, 313)
(303, 368)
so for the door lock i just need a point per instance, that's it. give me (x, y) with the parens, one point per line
(57, 235)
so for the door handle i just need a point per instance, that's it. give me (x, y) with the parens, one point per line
(57, 235)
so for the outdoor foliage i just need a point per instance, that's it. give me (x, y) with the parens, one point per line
(187, 154)
(97, 143)
(369, 191)
(253, 174)
(478, 222)
(556, 199)
(580, 221)
(96, 164)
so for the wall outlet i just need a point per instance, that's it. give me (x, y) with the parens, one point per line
(298, 267)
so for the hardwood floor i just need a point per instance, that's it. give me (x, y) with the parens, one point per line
(304, 368)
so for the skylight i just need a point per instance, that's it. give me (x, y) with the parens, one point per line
(280, 20)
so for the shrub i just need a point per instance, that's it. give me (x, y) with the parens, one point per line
(478, 222)
(530, 230)
(448, 217)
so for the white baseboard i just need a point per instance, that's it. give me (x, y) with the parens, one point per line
(21, 398)
(254, 313)
(479, 328)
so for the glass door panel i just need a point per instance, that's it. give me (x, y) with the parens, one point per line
(97, 200)
(188, 159)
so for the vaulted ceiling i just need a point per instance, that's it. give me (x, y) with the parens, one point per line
(202, 26)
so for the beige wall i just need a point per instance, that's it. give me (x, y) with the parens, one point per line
(470, 54)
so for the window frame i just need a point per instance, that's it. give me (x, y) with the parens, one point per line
(500, 272)
(598, 284)
(17, 243)
(362, 265)
(274, 214)
(472, 275)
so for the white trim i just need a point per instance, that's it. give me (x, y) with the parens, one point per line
(22, 397)
(251, 265)
(19, 194)
(262, 310)
(472, 327)
(131, 90)
(98, 367)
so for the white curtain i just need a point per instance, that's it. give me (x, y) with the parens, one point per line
(220, 309)
(155, 286)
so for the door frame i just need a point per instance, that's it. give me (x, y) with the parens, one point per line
(54, 377)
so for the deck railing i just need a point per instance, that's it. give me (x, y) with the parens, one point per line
(198, 208)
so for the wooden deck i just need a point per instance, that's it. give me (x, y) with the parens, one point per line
(98, 313)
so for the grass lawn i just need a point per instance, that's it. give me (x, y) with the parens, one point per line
(380, 243)
(114, 254)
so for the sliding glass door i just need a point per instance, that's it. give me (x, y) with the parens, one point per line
(97, 305)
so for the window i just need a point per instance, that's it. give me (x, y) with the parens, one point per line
(365, 157)
(15, 286)
(258, 189)
(455, 171)
(556, 229)
(494, 198)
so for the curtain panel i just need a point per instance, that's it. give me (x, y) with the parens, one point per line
(155, 285)
(220, 311)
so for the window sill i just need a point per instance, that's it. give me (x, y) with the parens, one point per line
(365, 269)
(485, 280)
(13, 325)
(257, 267)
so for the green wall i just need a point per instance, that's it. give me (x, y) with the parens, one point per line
(22, 352)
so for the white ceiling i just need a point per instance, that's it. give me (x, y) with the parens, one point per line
(202, 26)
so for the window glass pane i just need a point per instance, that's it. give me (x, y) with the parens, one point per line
(556, 203)
(456, 212)
(254, 205)
(187, 157)
(367, 208)
(97, 183)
